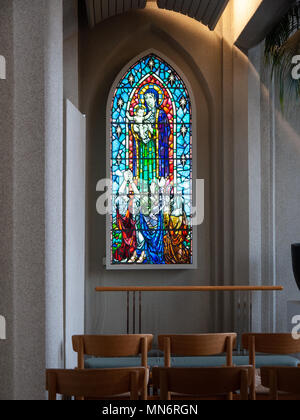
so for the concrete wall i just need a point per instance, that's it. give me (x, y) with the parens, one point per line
(209, 63)
(71, 76)
(31, 227)
(275, 200)
(6, 202)
(287, 201)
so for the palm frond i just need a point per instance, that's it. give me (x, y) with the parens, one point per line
(281, 45)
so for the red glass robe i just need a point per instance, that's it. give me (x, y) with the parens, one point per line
(126, 225)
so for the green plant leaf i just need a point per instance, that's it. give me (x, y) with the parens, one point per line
(281, 45)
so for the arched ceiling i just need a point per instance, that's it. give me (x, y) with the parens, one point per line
(207, 12)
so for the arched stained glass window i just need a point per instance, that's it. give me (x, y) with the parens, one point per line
(151, 168)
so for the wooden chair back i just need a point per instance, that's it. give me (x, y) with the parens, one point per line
(281, 379)
(283, 344)
(99, 383)
(203, 382)
(197, 345)
(112, 346)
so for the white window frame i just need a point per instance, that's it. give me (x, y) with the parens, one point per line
(121, 267)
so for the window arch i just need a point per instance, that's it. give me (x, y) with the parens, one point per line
(150, 156)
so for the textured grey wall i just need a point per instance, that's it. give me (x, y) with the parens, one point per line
(275, 155)
(38, 193)
(287, 201)
(29, 193)
(6, 201)
(71, 79)
(255, 181)
(32, 294)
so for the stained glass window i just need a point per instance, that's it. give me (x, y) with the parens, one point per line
(151, 167)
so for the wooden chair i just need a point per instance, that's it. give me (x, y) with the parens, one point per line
(197, 345)
(279, 344)
(95, 384)
(114, 346)
(282, 380)
(202, 383)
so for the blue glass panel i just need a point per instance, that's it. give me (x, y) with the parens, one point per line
(141, 168)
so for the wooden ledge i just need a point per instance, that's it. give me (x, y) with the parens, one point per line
(191, 289)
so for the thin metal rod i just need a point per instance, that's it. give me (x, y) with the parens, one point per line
(140, 312)
(239, 320)
(128, 307)
(133, 321)
(251, 311)
(245, 317)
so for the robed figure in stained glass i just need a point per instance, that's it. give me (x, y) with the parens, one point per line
(151, 147)
(151, 156)
(151, 168)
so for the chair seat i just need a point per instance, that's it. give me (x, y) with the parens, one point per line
(210, 361)
(115, 362)
(276, 360)
(218, 361)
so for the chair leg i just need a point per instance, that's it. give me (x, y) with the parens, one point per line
(154, 390)
(253, 386)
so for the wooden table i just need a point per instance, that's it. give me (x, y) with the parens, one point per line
(140, 290)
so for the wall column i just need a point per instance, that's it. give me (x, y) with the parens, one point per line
(33, 124)
(6, 202)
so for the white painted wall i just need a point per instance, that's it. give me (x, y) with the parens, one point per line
(2, 328)
(2, 67)
(54, 185)
(75, 229)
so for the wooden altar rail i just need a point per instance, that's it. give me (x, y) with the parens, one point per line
(140, 290)
(191, 289)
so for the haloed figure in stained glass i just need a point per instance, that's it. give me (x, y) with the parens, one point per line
(151, 150)
(139, 127)
(151, 167)
(151, 132)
